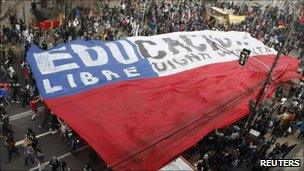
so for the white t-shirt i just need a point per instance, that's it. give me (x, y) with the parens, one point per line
(29, 38)
(17, 27)
(75, 22)
(63, 128)
(123, 6)
(283, 100)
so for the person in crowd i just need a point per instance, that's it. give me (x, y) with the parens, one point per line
(64, 166)
(87, 167)
(54, 123)
(284, 149)
(299, 89)
(301, 127)
(275, 151)
(16, 90)
(3, 95)
(63, 129)
(34, 106)
(283, 105)
(74, 145)
(40, 159)
(24, 95)
(10, 146)
(93, 157)
(29, 154)
(46, 114)
(279, 92)
(292, 90)
(5, 122)
(54, 164)
(31, 136)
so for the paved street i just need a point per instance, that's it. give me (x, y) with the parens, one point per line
(49, 143)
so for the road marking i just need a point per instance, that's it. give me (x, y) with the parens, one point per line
(38, 136)
(24, 114)
(60, 157)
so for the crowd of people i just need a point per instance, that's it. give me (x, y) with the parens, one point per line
(32, 151)
(222, 148)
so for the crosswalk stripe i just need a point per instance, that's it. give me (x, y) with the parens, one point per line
(23, 114)
(38, 136)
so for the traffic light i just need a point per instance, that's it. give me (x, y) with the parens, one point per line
(244, 56)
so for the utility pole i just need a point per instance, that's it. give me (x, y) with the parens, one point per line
(269, 75)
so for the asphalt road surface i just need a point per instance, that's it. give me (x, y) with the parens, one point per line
(49, 143)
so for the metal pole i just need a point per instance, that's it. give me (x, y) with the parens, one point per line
(269, 76)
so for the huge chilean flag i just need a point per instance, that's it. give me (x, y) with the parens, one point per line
(141, 101)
